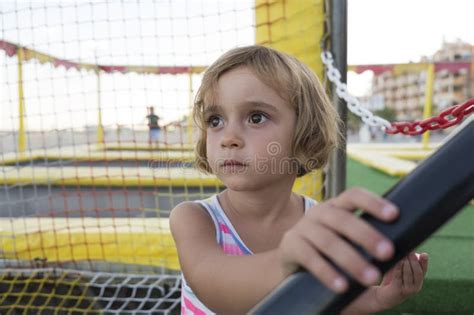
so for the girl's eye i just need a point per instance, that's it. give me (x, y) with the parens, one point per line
(257, 118)
(214, 121)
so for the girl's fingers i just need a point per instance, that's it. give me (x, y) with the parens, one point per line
(423, 259)
(397, 279)
(356, 230)
(407, 273)
(369, 202)
(414, 264)
(417, 271)
(312, 261)
(332, 245)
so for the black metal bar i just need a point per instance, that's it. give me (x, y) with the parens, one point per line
(427, 198)
(338, 21)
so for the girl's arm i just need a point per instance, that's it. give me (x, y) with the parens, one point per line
(225, 284)
(234, 284)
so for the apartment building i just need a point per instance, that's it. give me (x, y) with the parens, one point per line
(403, 87)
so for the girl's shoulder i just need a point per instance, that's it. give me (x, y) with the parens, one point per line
(191, 214)
(186, 210)
(193, 230)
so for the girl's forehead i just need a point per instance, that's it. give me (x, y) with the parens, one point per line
(246, 83)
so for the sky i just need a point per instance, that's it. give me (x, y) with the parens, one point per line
(397, 31)
(401, 31)
(183, 33)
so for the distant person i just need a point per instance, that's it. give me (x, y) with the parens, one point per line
(153, 125)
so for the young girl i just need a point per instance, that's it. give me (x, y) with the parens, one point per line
(265, 120)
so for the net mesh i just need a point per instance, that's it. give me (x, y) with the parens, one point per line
(86, 180)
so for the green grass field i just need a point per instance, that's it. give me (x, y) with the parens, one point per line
(449, 284)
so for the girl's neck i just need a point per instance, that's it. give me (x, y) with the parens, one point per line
(267, 204)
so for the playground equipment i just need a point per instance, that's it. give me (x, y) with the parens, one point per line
(84, 196)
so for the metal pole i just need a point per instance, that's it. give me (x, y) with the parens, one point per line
(21, 103)
(428, 103)
(100, 126)
(190, 112)
(337, 164)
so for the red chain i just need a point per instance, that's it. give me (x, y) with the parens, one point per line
(449, 117)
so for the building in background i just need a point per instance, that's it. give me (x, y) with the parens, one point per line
(402, 87)
(454, 87)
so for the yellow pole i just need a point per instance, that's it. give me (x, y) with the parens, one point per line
(100, 128)
(191, 104)
(21, 104)
(428, 102)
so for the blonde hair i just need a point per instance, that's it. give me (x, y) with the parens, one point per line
(317, 122)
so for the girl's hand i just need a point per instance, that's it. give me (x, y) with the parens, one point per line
(402, 281)
(322, 230)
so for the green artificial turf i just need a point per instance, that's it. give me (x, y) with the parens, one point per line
(449, 283)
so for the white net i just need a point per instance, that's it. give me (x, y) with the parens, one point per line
(88, 174)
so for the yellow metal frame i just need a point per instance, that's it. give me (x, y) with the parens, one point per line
(191, 105)
(105, 153)
(100, 127)
(139, 241)
(21, 104)
(109, 177)
(392, 159)
(427, 110)
(137, 146)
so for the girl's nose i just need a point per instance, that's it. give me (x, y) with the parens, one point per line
(231, 138)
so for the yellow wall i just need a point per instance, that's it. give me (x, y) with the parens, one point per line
(295, 27)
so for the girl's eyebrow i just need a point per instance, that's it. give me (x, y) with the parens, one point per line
(260, 104)
(211, 109)
(246, 105)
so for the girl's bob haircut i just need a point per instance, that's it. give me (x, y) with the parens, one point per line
(317, 122)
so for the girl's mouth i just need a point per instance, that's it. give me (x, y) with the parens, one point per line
(232, 163)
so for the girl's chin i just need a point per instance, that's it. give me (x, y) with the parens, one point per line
(243, 183)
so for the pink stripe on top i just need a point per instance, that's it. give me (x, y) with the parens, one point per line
(224, 228)
(232, 249)
(189, 306)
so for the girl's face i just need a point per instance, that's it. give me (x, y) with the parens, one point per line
(249, 132)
